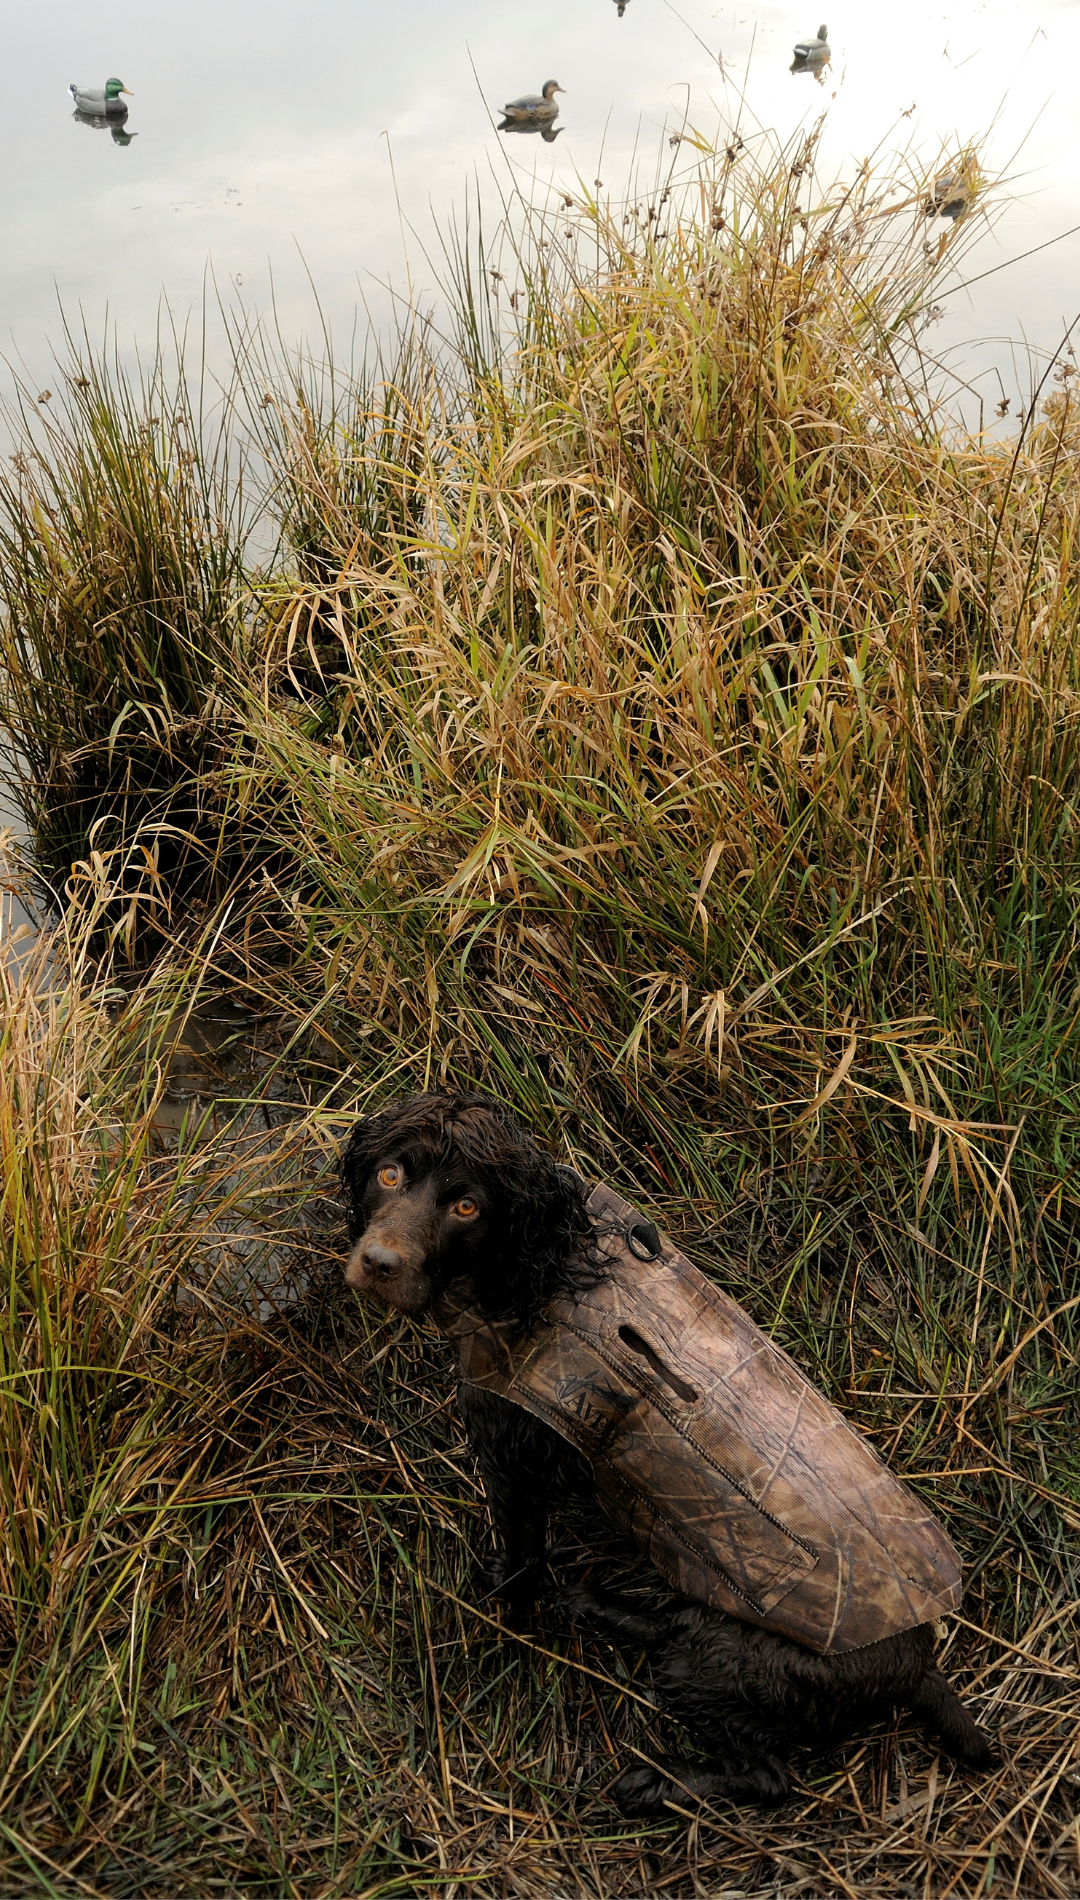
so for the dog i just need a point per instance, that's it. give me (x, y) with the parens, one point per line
(450, 1199)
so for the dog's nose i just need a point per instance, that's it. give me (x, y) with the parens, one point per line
(381, 1262)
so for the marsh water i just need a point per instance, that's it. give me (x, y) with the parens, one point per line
(299, 158)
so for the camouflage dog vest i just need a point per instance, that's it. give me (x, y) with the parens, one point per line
(743, 1485)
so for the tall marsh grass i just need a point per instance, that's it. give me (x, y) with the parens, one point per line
(659, 714)
(122, 533)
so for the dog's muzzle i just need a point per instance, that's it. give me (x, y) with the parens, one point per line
(378, 1268)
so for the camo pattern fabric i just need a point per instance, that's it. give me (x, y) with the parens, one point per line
(744, 1486)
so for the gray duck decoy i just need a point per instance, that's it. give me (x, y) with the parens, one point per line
(951, 196)
(101, 102)
(535, 105)
(812, 55)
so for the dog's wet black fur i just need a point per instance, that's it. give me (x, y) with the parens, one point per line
(447, 1194)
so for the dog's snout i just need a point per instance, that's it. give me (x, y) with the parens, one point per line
(387, 1263)
(380, 1261)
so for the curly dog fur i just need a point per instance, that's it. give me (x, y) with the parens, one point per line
(447, 1190)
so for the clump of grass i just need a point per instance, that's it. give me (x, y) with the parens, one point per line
(133, 1260)
(122, 523)
(664, 718)
(697, 708)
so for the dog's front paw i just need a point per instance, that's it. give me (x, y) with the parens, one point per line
(576, 1602)
(514, 1588)
(643, 1790)
(769, 1781)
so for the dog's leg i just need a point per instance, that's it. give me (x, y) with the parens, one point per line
(614, 1616)
(941, 1707)
(737, 1773)
(515, 1458)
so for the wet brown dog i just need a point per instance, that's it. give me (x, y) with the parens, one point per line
(447, 1192)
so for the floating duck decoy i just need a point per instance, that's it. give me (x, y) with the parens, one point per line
(812, 55)
(534, 105)
(101, 102)
(951, 196)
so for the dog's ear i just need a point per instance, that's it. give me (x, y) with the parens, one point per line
(546, 1237)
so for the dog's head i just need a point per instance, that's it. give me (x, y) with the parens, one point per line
(448, 1188)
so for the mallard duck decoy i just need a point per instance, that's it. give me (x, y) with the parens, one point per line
(535, 105)
(101, 102)
(812, 55)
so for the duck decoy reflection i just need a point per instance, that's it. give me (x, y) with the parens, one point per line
(622, 6)
(548, 132)
(535, 106)
(812, 56)
(120, 133)
(101, 102)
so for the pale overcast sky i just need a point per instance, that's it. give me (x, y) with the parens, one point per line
(266, 130)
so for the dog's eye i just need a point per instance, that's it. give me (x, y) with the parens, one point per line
(467, 1208)
(390, 1176)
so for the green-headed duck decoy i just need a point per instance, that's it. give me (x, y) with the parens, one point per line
(101, 102)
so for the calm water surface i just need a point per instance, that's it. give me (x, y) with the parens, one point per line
(280, 145)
